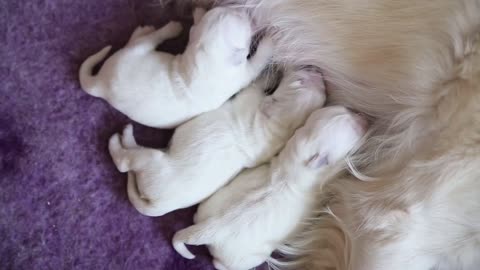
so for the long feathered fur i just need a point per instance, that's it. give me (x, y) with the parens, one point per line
(413, 67)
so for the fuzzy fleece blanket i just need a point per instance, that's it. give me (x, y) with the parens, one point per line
(63, 205)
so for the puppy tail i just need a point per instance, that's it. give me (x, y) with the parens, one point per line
(145, 207)
(192, 235)
(87, 80)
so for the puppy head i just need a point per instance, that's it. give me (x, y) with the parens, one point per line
(327, 136)
(224, 32)
(300, 92)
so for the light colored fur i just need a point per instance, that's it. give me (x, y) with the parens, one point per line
(163, 90)
(414, 67)
(206, 152)
(244, 222)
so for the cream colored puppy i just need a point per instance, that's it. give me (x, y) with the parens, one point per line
(244, 222)
(163, 90)
(206, 152)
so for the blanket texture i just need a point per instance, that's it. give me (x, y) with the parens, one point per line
(63, 205)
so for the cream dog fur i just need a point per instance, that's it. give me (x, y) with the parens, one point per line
(245, 221)
(206, 152)
(414, 67)
(162, 90)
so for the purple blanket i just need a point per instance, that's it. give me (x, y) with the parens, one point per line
(63, 205)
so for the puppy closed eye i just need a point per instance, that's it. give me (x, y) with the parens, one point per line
(239, 56)
(317, 161)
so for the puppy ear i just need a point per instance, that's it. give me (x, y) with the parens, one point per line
(238, 56)
(317, 161)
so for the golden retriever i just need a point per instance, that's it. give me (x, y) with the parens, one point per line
(411, 196)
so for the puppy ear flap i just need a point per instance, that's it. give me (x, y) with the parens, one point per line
(238, 56)
(317, 161)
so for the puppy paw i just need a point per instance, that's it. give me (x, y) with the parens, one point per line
(128, 139)
(172, 28)
(308, 77)
(141, 31)
(117, 153)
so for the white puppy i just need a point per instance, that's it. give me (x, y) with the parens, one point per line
(162, 90)
(206, 152)
(244, 222)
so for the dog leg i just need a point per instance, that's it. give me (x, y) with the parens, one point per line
(198, 14)
(139, 32)
(218, 265)
(169, 31)
(131, 159)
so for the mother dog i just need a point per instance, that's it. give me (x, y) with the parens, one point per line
(413, 66)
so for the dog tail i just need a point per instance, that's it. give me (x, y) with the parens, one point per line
(145, 207)
(87, 80)
(193, 235)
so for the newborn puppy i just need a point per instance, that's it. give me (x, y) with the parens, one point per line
(245, 221)
(206, 152)
(162, 90)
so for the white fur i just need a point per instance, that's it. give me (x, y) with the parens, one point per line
(414, 67)
(206, 152)
(163, 90)
(246, 220)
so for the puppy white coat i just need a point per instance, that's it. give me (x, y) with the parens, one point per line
(206, 152)
(244, 222)
(162, 90)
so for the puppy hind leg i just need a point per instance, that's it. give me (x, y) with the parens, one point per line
(131, 159)
(197, 234)
(168, 31)
(139, 32)
(142, 203)
(198, 14)
(128, 139)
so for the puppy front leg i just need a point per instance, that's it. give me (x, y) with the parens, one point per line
(128, 140)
